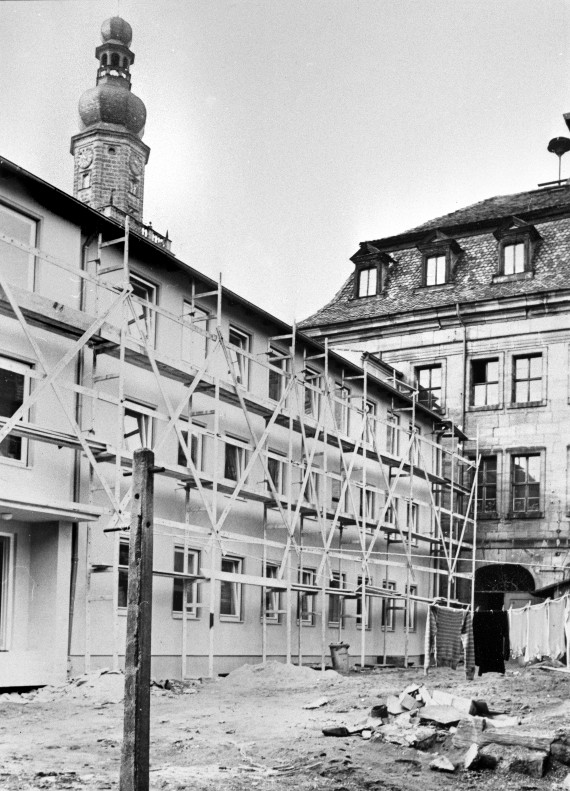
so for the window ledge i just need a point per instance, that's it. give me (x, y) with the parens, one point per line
(189, 617)
(528, 275)
(526, 404)
(525, 515)
(488, 516)
(486, 408)
(231, 618)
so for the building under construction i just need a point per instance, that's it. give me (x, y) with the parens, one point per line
(300, 499)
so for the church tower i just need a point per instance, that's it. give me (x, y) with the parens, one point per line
(109, 154)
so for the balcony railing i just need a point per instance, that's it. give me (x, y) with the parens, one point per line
(146, 231)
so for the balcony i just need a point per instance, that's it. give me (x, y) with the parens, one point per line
(146, 231)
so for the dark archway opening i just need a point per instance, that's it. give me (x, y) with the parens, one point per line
(493, 581)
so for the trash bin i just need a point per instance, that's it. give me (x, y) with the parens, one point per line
(339, 656)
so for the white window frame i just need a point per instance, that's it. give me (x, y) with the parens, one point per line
(242, 454)
(278, 358)
(312, 397)
(281, 482)
(337, 580)
(148, 315)
(388, 620)
(342, 407)
(196, 437)
(26, 370)
(270, 597)
(371, 409)
(236, 589)
(30, 279)
(413, 609)
(307, 576)
(412, 521)
(122, 569)
(367, 281)
(143, 415)
(190, 565)
(368, 495)
(367, 605)
(239, 360)
(511, 264)
(436, 269)
(7, 590)
(393, 434)
(194, 345)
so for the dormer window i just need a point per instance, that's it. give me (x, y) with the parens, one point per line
(439, 256)
(436, 266)
(517, 244)
(367, 282)
(513, 258)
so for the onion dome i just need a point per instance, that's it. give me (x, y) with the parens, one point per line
(116, 29)
(112, 103)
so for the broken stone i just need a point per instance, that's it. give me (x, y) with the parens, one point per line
(379, 712)
(339, 730)
(441, 715)
(474, 731)
(471, 758)
(393, 705)
(409, 703)
(317, 704)
(506, 758)
(442, 764)
(441, 698)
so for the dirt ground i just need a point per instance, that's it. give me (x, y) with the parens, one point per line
(250, 731)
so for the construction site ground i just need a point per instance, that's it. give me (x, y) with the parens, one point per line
(250, 730)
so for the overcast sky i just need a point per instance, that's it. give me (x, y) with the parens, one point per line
(284, 132)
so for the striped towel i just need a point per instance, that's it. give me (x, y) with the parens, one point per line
(449, 638)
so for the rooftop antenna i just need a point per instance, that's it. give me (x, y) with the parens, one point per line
(559, 146)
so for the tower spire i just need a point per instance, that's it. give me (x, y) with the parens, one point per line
(109, 154)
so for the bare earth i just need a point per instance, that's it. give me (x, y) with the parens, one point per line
(250, 731)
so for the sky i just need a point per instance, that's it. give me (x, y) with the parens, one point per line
(285, 132)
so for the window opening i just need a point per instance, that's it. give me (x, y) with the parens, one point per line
(231, 592)
(17, 265)
(485, 382)
(186, 562)
(525, 483)
(368, 281)
(123, 580)
(527, 378)
(239, 361)
(435, 269)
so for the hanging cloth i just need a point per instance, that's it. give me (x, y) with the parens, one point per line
(491, 638)
(556, 623)
(537, 644)
(518, 631)
(449, 638)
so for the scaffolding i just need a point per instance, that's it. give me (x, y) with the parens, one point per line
(321, 512)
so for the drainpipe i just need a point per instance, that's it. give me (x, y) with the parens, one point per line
(464, 367)
(79, 368)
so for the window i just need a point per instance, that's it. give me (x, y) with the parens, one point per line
(196, 449)
(367, 282)
(194, 345)
(123, 581)
(367, 503)
(412, 518)
(415, 450)
(6, 567)
(17, 265)
(388, 604)
(137, 425)
(312, 396)
(514, 256)
(525, 484)
(230, 592)
(235, 460)
(370, 415)
(278, 379)
(413, 609)
(341, 407)
(367, 605)
(435, 270)
(271, 597)
(240, 363)
(393, 434)
(428, 379)
(14, 388)
(143, 292)
(85, 179)
(336, 603)
(186, 562)
(133, 186)
(392, 511)
(305, 601)
(527, 378)
(336, 481)
(276, 468)
(487, 486)
(484, 382)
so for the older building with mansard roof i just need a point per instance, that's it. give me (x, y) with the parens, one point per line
(475, 307)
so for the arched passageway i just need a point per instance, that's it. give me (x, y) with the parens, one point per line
(497, 580)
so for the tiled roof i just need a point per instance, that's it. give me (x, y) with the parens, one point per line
(472, 279)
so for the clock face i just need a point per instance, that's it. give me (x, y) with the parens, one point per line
(136, 165)
(85, 157)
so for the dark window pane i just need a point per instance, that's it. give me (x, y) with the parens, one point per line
(123, 587)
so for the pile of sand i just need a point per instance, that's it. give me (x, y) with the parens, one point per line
(279, 675)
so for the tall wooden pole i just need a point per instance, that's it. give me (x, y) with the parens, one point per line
(136, 732)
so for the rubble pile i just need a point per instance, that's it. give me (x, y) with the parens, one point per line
(463, 734)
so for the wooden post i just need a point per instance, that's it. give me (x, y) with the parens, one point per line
(136, 731)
